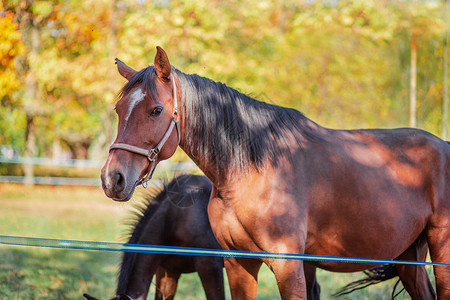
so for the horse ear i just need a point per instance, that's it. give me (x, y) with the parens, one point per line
(162, 64)
(124, 70)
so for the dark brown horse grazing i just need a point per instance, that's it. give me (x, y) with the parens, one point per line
(176, 216)
(282, 183)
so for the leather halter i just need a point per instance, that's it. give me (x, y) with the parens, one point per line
(152, 154)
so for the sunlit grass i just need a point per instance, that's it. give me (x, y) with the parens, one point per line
(65, 213)
(84, 213)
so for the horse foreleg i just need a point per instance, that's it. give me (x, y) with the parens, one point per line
(242, 276)
(210, 271)
(166, 284)
(290, 278)
(414, 277)
(312, 285)
(438, 237)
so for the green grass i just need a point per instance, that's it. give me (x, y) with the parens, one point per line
(86, 214)
(58, 212)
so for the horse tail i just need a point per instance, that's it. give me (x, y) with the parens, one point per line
(374, 276)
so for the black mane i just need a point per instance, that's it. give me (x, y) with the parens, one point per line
(236, 131)
(144, 211)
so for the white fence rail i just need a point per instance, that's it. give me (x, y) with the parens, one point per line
(44, 161)
(53, 180)
(76, 163)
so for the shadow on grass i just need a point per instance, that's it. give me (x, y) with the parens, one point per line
(37, 273)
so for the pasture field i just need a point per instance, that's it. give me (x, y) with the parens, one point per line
(85, 213)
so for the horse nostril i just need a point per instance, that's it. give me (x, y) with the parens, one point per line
(119, 180)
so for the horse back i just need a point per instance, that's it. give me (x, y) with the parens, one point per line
(406, 160)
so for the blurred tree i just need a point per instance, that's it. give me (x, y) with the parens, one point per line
(424, 21)
(445, 108)
(74, 74)
(31, 17)
(64, 87)
(11, 46)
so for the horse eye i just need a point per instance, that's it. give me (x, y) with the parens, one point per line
(156, 111)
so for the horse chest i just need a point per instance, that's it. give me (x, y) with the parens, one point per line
(227, 226)
(257, 219)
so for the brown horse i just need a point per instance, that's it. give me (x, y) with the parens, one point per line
(282, 183)
(175, 216)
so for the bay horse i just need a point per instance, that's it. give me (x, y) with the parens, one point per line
(175, 216)
(282, 183)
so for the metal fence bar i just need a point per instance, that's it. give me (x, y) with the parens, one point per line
(160, 249)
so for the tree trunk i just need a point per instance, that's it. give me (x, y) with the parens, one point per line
(30, 150)
(445, 81)
(31, 106)
(413, 81)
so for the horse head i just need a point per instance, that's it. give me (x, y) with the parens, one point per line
(147, 113)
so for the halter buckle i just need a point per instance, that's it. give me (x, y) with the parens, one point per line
(153, 154)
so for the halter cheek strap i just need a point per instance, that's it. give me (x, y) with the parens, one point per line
(152, 154)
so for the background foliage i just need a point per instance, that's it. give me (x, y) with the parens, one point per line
(345, 64)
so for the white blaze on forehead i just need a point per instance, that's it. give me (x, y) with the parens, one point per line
(135, 97)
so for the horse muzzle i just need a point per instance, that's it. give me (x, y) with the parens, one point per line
(118, 182)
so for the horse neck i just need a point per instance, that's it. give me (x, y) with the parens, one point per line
(208, 167)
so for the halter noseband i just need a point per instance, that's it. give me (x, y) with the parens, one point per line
(152, 154)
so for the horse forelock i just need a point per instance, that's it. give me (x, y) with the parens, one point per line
(146, 77)
(236, 131)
